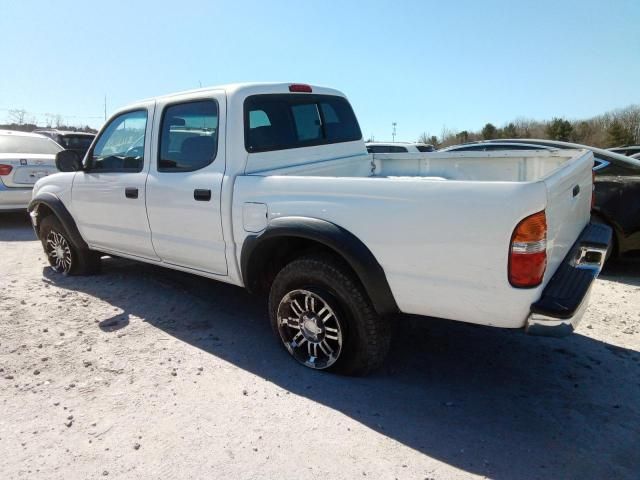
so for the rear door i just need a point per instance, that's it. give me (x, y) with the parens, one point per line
(185, 182)
(108, 196)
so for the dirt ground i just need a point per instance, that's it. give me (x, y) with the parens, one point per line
(142, 372)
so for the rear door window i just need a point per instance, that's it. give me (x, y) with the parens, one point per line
(188, 136)
(283, 121)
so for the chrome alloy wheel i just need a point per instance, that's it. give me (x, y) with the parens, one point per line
(59, 252)
(310, 329)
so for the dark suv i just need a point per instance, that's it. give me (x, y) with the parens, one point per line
(627, 150)
(79, 142)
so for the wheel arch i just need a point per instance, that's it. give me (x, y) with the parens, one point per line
(601, 217)
(45, 204)
(287, 238)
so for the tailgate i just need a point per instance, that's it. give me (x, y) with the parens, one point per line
(568, 209)
(27, 169)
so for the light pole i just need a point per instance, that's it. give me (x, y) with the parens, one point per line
(393, 134)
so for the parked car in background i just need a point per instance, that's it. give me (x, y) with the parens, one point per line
(79, 142)
(398, 147)
(270, 187)
(626, 150)
(617, 186)
(24, 158)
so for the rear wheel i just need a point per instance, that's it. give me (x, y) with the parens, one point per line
(63, 256)
(323, 317)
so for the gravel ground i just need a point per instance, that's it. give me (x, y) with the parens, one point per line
(142, 372)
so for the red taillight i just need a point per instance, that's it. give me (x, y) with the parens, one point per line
(5, 169)
(528, 252)
(300, 88)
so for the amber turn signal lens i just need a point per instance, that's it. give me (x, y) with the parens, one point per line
(528, 252)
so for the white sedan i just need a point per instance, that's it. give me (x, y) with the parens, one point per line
(24, 158)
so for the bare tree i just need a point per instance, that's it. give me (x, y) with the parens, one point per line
(17, 116)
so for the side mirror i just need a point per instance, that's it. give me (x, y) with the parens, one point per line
(68, 161)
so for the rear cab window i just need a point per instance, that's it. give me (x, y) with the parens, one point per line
(284, 121)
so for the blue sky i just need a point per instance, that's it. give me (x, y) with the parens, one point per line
(423, 64)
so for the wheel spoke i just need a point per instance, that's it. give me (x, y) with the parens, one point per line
(327, 317)
(312, 350)
(298, 340)
(297, 309)
(291, 322)
(324, 346)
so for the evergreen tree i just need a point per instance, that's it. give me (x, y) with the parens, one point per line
(489, 131)
(559, 129)
(618, 135)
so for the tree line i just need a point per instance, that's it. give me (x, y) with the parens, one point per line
(611, 129)
(19, 120)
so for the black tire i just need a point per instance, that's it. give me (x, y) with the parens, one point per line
(364, 335)
(55, 241)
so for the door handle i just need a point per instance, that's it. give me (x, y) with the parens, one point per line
(201, 195)
(131, 192)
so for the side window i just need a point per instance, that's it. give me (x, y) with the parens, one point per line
(120, 148)
(188, 136)
(477, 148)
(396, 149)
(425, 148)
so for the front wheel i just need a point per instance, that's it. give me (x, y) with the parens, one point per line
(63, 256)
(324, 318)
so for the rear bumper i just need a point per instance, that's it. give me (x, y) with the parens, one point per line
(565, 299)
(14, 198)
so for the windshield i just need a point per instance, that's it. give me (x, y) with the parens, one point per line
(27, 144)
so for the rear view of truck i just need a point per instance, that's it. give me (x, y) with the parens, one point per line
(493, 238)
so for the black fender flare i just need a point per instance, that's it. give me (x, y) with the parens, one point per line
(58, 208)
(352, 250)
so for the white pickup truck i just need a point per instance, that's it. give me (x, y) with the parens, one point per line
(270, 187)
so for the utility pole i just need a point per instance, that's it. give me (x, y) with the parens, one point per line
(393, 134)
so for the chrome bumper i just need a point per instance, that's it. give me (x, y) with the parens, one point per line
(548, 326)
(566, 297)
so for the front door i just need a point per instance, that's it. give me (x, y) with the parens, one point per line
(109, 194)
(185, 182)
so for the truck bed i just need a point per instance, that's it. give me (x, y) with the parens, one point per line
(503, 166)
(440, 224)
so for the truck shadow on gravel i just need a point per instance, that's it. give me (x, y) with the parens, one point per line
(490, 402)
(16, 227)
(623, 271)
